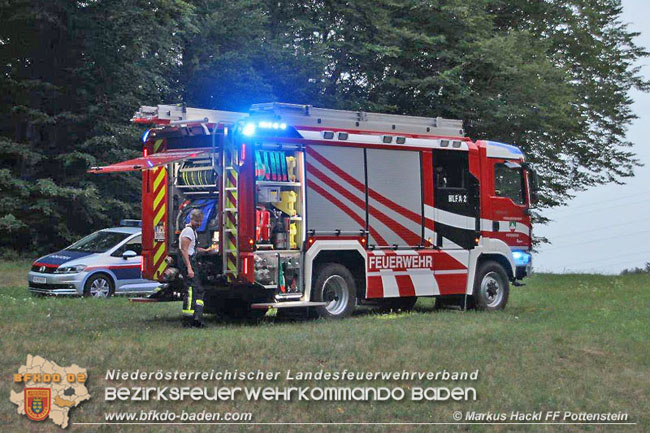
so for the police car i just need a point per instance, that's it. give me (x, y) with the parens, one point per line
(103, 263)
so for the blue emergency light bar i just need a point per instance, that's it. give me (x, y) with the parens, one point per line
(249, 128)
(130, 223)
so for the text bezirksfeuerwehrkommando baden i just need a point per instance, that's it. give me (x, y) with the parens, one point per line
(289, 375)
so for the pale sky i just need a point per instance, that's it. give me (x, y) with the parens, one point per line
(607, 229)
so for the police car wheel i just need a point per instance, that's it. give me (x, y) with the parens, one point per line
(99, 286)
(335, 285)
(491, 287)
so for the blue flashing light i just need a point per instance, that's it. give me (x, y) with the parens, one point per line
(249, 130)
(272, 125)
(521, 258)
(145, 136)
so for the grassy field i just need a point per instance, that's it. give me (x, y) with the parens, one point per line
(565, 342)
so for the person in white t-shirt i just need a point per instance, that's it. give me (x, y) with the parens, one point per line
(193, 299)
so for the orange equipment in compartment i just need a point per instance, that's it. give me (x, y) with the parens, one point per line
(263, 226)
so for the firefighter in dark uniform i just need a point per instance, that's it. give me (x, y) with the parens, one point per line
(193, 299)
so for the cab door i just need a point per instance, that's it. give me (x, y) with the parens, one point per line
(456, 200)
(509, 203)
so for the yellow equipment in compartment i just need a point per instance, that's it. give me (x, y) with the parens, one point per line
(287, 203)
(293, 232)
(291, 168)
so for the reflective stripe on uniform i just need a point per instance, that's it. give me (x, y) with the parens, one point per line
(190, 310)
(199, 302)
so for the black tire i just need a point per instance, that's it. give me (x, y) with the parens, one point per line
(399, 304)
(99, 286)
(335, 285)
(491, 287)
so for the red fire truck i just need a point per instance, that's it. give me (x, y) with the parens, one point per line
(330, 209)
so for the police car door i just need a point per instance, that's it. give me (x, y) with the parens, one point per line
(127, 270)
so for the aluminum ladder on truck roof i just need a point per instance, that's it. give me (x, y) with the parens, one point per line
(306, 115)
(180, 115)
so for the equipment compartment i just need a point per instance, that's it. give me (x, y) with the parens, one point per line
(279, 206)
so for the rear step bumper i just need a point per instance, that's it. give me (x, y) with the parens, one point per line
(287, 304)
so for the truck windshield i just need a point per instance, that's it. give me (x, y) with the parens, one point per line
(98, 242)
(509, 182)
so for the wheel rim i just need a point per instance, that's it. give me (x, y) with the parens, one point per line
(492, 289)
(335, 293)
(100, 288)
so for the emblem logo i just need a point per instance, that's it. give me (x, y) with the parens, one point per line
(48, 389)
(159, 232)
(41, 269)
(513, 226)
(37, 403)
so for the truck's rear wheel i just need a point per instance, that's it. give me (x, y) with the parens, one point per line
(335, 285)
(491, 288)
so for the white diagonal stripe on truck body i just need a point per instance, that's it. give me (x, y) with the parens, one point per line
(424, 284)
(382, 229)
(389, 282)
(460, 255)
(337, 215)
(449, 218)
(469, 223)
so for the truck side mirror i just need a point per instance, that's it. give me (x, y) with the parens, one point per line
(533, 185)
(129, 254)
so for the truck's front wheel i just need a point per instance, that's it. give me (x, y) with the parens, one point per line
(335, 285)
(491, 287)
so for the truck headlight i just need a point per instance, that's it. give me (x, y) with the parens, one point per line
(70, 269)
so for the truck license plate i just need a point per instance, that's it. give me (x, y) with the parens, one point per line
(40, 280)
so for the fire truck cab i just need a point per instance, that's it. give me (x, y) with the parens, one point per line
(329, 209)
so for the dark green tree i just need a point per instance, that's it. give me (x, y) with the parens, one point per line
(551, 76)
(72, 75)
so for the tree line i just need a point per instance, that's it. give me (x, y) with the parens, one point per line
(551, 76)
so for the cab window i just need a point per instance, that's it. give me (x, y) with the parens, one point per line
(134, 244)
(509, 182)
(450, 169)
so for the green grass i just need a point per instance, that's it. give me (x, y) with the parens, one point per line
(565, 342)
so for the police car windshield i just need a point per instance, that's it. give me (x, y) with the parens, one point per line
(98, 242)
